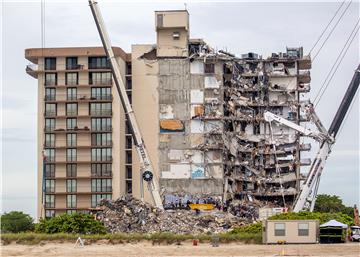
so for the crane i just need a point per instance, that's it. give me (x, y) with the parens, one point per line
(146, 168)
(306, 198)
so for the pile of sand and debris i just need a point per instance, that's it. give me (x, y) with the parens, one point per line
(128, 214)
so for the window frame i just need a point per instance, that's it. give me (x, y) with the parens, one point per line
(302, 231)
(279, 232)
(50, 79)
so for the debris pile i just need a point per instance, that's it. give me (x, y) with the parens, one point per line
(127, 214)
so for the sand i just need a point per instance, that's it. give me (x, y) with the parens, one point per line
(185, 249)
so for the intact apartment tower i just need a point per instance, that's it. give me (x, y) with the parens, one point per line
(200, 115)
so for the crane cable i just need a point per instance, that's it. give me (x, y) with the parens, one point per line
(42, 29)
(341, 56)
(331, 31)
(327, 26)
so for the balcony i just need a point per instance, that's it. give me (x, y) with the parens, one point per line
(50, 113)
(101, 113)
(75, 67)
(102, 144)
(101, 97)
(50, 98)
(32, 70)
(100, 82)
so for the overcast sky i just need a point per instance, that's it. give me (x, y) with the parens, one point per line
(239, 27)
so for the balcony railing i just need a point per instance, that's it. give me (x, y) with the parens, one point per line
(101, 174)
(101, 159)
(101, 97)
(50, 98)
(49, 144)
(71, 82)
(102, 128)
(49, 128)
(32, 68)
(71, 97)
(96, 82)
(75, 67)
(71, 113)
(50, 113)
(101, 112)
(107, 143)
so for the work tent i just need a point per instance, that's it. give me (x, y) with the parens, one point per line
(333, 232)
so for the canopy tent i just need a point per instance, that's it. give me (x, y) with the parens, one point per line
(334, 223)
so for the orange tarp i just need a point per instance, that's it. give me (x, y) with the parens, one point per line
(171, 125)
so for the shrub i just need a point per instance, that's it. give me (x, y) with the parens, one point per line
(322, 217)
(15, 222)
(74, 223)
(252, 228)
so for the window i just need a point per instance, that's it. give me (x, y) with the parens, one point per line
(71, 201)
(128, 68)
(72, 63)
(128, 172)
(176, 35)
(50, 109)
(49, 213)
(49, 154)
(71, 170)
(209, 68)
(101, 93)
(50, 201)
(50, 79)
(71, 93)
(50, 94)
(128, 156)
(71, 123)
(129, 95)
(303, 229)
(71, 185)
(100, 78)
(49, 124)
(101, 124)
(95, 199)
(71, 78)
(71, 154)
(49, 140)
(127, 127)
(101, 139)
(101, 185)
(100, 108)
(71, 140)
(71, 109)
(128, 142)
(50, 63)
(101, 169)
(49, 185)
(128, 83)
(128, 187)
(49, 170)
(99, 63)
(279, 229)
(101, 154)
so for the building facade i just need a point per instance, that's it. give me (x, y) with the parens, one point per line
(81, 125)
(199, 112)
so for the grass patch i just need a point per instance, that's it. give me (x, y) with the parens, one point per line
(119, 238)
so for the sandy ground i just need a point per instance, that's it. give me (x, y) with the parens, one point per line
(185, 249)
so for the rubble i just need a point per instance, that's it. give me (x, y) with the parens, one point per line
(128, 214)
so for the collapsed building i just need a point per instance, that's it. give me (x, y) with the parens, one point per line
(214, 144)
(200, 112)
